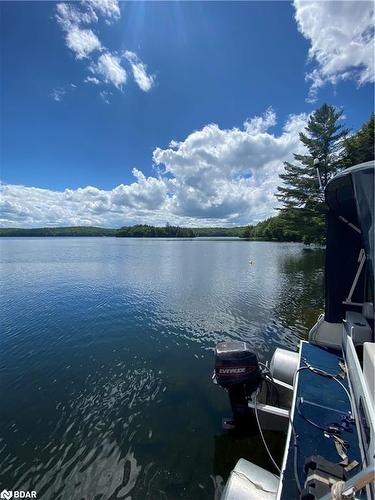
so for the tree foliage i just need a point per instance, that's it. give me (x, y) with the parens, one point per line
(273, 228)
(360, 146)
(146, 231)
(226, 232)
(303, 208)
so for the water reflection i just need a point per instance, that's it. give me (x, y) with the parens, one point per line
(106, 359)
(302, 290)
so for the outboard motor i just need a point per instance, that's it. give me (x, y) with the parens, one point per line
(237, 370)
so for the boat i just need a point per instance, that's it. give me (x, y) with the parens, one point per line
(323, 395)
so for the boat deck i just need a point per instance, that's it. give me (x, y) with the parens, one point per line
(323, 402)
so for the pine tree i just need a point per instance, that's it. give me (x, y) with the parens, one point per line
(303, 208)
(360, 146)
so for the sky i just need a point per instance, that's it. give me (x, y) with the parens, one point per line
(119, 113)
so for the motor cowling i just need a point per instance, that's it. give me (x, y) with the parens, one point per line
(237, 370)
(235, 364)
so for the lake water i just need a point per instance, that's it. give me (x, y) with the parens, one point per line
(106, 359)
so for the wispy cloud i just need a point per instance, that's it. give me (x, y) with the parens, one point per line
(107, 67)
(341, 35)
(58, 94)
(214, 176)
(144, 80)
(92, 79)
(105, 95)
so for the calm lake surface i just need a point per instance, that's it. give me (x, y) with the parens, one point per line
(106, 359)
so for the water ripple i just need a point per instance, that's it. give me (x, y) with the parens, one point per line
(106, 358)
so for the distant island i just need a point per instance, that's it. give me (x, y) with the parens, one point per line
(146, 231)
(137, 231)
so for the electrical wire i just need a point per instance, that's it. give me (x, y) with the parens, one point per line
(261, 434)
(317, 426)
(269, 380)
(265, 366)
(323, 373)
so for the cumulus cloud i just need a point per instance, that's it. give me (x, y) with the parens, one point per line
(214, 176)
(232, 174)
(139, 69)
(109, 68)
(29, 206)
(341, 35)
(148, 193)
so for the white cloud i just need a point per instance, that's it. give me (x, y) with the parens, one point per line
(82, 42)
(68, 15)
(261, 123)
(30, 206)
(105, 95)
(232, 174)
(148, 193)
(87, 12)
(92, 79)
(109, 9)
(109, 68)
(213, 177)
(341, 35)
(59, 93)
(139, 69)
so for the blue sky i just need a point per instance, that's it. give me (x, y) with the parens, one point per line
(93, 93)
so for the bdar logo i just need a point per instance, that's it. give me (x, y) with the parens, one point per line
(7, 495)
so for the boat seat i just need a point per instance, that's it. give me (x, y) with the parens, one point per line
(248, 481)
(357, 328)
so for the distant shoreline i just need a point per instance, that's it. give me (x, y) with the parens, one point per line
(140, 231)
(233, 233)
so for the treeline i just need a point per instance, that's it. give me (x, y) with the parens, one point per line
(302, 209)
(169, 231)
(229, 232)
(146, 231)
(271, 229)
(138, 231)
